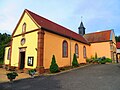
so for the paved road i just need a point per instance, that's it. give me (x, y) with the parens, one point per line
(94, 77)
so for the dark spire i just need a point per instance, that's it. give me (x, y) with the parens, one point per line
(81, 25)
(81, 29)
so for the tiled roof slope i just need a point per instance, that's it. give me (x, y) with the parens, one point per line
(53, 27)
(118, 45)
(98, 36)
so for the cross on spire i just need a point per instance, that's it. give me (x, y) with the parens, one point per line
(81, 18)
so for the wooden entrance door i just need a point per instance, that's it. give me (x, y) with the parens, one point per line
(22, 60)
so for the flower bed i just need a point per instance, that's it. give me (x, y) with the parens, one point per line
(101, 60)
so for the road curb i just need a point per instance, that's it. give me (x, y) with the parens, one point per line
(53, 74)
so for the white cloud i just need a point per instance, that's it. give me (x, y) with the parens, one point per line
(8, 16)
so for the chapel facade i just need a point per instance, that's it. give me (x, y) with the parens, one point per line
(36, 39)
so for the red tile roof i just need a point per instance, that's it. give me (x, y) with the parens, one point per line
(118, 45)
(98, 36)
(55, 28)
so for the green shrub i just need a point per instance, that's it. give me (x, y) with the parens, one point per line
(32, 72)
(75, 62)
(108, 60)
(95, 61)
(102, 60)
(12, 75)
(54, 67)
(89, 60)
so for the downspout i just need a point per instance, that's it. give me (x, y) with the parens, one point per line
(70, 52)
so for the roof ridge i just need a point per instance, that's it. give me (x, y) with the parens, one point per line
(98, 32)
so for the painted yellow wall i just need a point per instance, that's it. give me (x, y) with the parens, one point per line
(6, 61)
(101, 48)
(53, 45)
(88, 48)
(30, 25)
(80, 59)
(31, 42)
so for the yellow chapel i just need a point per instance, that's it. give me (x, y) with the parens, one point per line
(36, 39)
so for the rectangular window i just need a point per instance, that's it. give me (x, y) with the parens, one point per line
(30, 61)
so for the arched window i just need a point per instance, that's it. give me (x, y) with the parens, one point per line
(65, 49)
(24, 28)
(84, 52)
(76, 50)
(8, 55)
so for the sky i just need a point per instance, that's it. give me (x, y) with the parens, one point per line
(97, 15)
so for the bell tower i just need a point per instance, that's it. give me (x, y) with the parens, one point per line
(81, 29)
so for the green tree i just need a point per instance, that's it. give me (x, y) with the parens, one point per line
(4, 40)
(117, 38)
(75, 62)
(54, 67)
